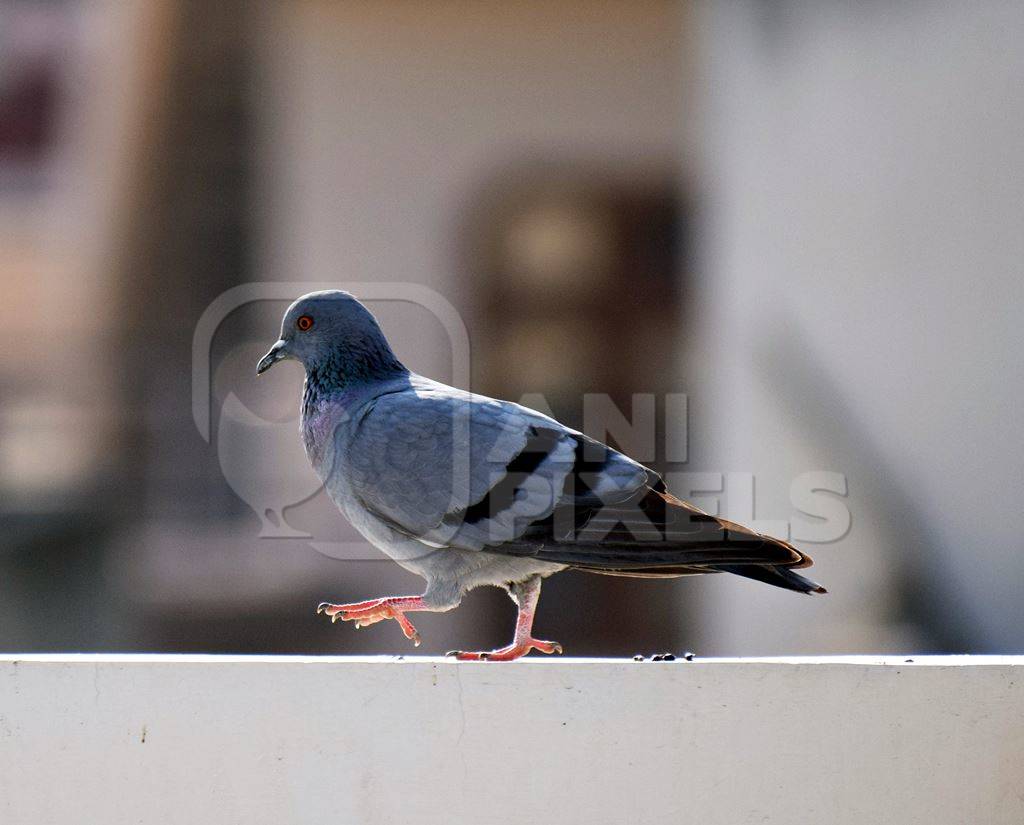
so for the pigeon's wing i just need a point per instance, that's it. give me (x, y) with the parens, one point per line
(454, 470)
(614, 516)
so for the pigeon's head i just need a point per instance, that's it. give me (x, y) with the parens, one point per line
(335, 338)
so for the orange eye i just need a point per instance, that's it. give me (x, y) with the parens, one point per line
(304, 323)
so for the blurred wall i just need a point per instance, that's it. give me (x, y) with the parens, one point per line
(862, 253)
(383, 120)
(65, 214)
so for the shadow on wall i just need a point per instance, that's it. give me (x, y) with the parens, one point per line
(922, 592)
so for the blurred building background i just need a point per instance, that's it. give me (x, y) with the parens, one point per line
(803, 216)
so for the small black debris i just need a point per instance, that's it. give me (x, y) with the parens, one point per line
(638, 658)
(663, 657)
(689, 655)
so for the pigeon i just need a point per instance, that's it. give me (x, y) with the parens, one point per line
(466, 490)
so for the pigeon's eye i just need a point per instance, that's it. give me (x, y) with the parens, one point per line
(304, 323)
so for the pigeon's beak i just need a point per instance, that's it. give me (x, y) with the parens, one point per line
(277, 352)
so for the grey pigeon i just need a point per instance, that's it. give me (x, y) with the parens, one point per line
(466, 490)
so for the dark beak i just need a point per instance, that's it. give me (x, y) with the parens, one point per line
(276, 353)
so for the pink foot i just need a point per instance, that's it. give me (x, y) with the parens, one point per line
(508, 653)
(370, 612)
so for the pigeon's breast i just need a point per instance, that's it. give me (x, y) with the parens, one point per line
(320, 427)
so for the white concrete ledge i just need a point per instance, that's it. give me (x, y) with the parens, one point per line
(225, 739)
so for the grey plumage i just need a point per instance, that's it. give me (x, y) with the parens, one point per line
(466, 490)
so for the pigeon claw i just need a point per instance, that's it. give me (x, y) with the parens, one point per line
(508, 653)
(364, 614)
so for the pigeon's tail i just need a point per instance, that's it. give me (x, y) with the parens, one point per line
(778, 576)
(656, 535)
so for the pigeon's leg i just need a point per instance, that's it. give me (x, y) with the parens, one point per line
(524, 594)
(390, 607)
